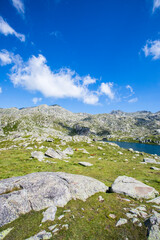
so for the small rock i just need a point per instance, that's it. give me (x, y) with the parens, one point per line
(121, 221)
(49, 139)
(65, 226)
(53, 154)
(155, 168)
(41, 235)
(134, 220)
(55, 230)
(130, 215)
(52, 227)
(155, 200)
(112, 215)
(4, 233)
(100, 199)
(150, 160)
(100, 148)
(86, 164)
(66, 211)
(37, 154)
(68, 151)
(120, 153)
(49, 214)
(60, 217)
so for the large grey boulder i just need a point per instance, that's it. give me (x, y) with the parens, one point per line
(42, 190)
(133, 188)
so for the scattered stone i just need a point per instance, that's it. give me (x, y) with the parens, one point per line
(86, 164)
(100, 199)
(37, 154)
(41, 235)
(49, 140)
(131, 150)
(139, 224)
(141, 208)
(150, 160)
(157, 207)
(121, 221)
(60, 217)
(29, 148)
(66, 211)
(130, 215)
(4, 233)
(155, 200)
(134, 220)
(133, 188)
(55, 230)
(41, 147)
(112, 215)
(52, 227)
(68, 151)
(49, 214)
(120, 153)
(43, 190)
(53, 154)
(65, 226)
(155, 168)
(100, 148)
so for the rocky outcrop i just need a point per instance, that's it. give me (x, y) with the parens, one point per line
(133, 188)
(37, 191)
(152, 225)
(57, 121)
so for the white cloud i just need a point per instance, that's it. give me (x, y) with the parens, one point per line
(133, 100)
(0, 90)
(19, 5)
(106, 88)
(130, 88)
(6, 29)
(5, 58)
(156, 4)
(35, 75)
(36, 100)
(88, 80)
(152, 48)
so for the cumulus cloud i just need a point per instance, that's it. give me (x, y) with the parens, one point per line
(6, 29)
(0, 90)
(152, 48)
(133, 100)
(36, 75)
(35, 100)
(156, 4)
(19, 5)
(106, 88)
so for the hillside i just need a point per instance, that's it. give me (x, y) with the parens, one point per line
(142, 126)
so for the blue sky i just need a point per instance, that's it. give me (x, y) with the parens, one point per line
(87, 56)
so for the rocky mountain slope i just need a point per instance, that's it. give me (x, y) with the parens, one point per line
(142, 126)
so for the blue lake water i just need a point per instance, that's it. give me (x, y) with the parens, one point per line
(147, 148)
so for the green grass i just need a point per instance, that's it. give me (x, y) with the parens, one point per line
(94, 222)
